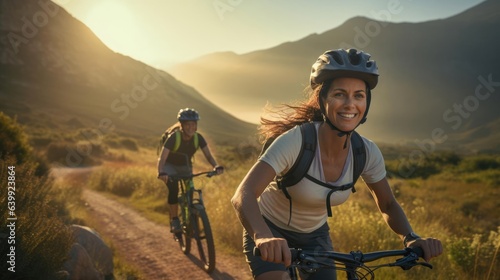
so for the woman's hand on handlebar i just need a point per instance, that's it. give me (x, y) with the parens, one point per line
(274, 250)
(219, 169)
(432, 247)
(163, 176)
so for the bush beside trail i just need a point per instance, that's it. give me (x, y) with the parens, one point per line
(37, 209)
(40, 240)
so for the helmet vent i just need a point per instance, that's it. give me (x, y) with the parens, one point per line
(336, 56)
(354, 58)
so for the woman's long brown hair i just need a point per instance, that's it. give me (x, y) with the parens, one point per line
(289, 115)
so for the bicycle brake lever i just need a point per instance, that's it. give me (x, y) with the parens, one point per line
(211, 173)
(410, 261)
(310, 261)
(425, 264)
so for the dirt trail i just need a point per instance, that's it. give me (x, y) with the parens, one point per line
(151, 247)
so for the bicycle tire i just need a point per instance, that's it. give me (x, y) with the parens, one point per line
(184, 237)
(204, 238)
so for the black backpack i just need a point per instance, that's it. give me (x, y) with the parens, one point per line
(304, 159)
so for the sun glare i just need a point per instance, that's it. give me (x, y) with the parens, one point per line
(118, 27)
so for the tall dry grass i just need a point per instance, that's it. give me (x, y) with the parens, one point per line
(461, 213)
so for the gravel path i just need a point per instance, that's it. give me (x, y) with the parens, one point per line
(151, 247)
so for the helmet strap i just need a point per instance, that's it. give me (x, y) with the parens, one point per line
(368, 101)
(341, 132)
(325, 87)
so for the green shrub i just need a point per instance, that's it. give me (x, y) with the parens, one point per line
(480, 163)
(129, 144)
(461, 253)
(477, 255)
(444, 158)
(126, 181)
(75, 154)
(469, 208)
(13, 141)
(423, 166)
(14, 144)
(42, 241)
(99, 179)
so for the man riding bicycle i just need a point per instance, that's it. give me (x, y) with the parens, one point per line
(181, 143)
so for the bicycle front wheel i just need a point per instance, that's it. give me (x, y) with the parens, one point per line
(204, 238)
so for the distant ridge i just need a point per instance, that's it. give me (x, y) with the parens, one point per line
(430, 72)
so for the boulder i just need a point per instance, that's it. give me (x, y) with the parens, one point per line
(89, 257)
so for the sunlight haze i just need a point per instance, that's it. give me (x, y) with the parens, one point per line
(162, 33)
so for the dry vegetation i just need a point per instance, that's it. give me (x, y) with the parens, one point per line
(455, 200)
(449, 196)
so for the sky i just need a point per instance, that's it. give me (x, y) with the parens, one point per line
(162, 33)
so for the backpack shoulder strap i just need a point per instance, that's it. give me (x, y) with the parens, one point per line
(163, 138)
(196, 141)
(359, 154)
(303, 160)
(266, 145)
(177, 141)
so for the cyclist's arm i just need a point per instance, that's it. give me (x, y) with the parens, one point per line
(245, 203)
(161, 162)
(209, 157)
(390, 209)
(396, 219)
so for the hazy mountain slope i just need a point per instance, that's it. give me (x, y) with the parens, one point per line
(55, 70)
(428, 70)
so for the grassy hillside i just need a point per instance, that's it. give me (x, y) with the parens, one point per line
(65, 80)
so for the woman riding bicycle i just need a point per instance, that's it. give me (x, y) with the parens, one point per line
(340, 91)
(176, 157)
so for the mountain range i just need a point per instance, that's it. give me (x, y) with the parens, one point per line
(437, 78)
(56, 74)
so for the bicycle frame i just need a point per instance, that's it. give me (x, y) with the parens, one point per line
(187, 199)
(194, 220)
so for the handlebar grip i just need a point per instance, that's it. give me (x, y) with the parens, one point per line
(418, 250)
(256, 252)
(211, 173)
(295, 252)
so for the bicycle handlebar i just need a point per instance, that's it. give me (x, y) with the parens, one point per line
(410, 256)
(190, 176)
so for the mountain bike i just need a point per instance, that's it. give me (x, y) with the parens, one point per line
(353, 263)
(194, 220)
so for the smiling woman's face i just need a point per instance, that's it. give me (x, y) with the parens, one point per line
(345, 103)
(189, 128)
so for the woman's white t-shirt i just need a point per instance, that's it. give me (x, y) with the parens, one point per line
(309, 199)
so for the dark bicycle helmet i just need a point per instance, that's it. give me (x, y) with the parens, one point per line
(188, 114)
(344, 63)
